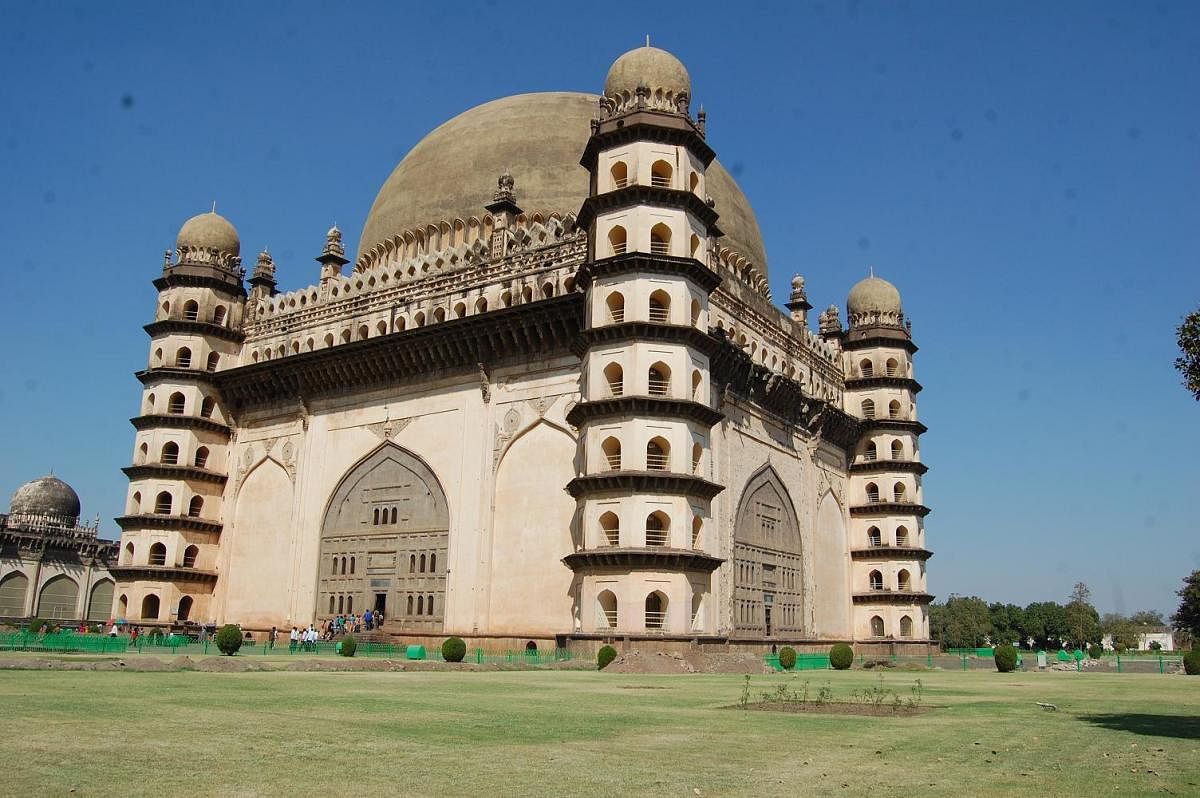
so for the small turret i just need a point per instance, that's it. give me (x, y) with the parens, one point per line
(333, 256)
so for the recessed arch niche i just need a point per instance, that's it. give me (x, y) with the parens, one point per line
(768, 560)
(389, 515)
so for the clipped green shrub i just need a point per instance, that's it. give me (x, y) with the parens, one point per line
(1155, 645)
(349, 646)
(454, 649)
(36, 624)
(787, 657)
(1191, 663)
(229, 639)
(1095, 651)
(1006, 658)
(604, 656)
(841, 657)
(155, 633)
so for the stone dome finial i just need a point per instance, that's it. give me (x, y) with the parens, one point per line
(209, 238)
(654, 75)
(265, 267)
(874, 301)
(505, 186)
(47, 496)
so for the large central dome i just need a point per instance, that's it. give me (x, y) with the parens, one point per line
(539, 139)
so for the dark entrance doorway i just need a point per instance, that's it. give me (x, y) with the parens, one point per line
(381, 603)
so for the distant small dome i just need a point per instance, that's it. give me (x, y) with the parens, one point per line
(873, 295)
(209, 231)
(46, 496)
(647, 66)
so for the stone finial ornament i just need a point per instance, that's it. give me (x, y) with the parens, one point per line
(333, 243)
(829, 321)
(505, 186)
(264, 269)
(799, 294)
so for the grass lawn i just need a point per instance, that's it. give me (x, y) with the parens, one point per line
(586, 733)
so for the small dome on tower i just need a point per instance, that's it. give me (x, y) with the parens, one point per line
(209, 231)
(873, 295)
(46, 496)
(647, 66)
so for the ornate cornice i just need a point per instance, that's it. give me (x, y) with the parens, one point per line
(890, 553)
(888, 508)
(892, 425)
(877, 337)
(632, 331)
(652, 406)
(229, 285)
(157, 374)
(175, 522)
(186, 327)
(892, 597)
(156, 421)
(643, 559)
(635, 194)
(537, 328)
(165, 573)
(887, 466)
(882, 381)
(633, 262)
(660, 482)
(646, 125)
(48, 542)
(166, 471)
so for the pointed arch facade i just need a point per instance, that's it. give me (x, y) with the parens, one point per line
(769, 591)
(388, 512)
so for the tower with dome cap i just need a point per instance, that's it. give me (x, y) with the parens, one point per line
(171, 529)
(887, 506)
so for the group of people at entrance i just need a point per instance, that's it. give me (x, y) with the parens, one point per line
(344, 624)
(302, 639)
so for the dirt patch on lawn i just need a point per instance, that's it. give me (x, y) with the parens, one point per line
(641, 662)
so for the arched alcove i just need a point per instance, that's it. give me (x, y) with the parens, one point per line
(260, 561)
(768, 557)
(388, 478)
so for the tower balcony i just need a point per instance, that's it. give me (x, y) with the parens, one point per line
(886, 552)
(648, 558)
(626, 262)
(172, 522)
(179, 421)
(170, 471)
(869, 425)
(883, 381)
(166, 573)
(193, 327)
(633, 482)
(890, 596)
(872, 508)
(620, 405)
(879, 466)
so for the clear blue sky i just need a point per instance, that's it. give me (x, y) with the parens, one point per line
(1026, 173)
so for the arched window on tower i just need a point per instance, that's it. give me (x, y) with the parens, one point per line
(901, 536)
(894, 409)
(697, 247)
(158, 554)
(617, 240)
(213, 360)
(694, 182)
(612, 453)
(620, 175)
(870, 453)
(610, 527)
(874, 538)
(697, 380)
(219, 315)
(616, 307)
(660, 239)
(201, 460)
(191, 311)
(875, 578)
(659, 379)
(606, 609)
(169, 454)
(614, 376)
(190, 555)
(183, 358)
(872, 493)
(868, 408)
(660, 174)
(162, 503)
(656, 610)
(207, 407)
(877, 629)
(697, 529)
(903, 580)
(697, 457)
(660, 307)
(196, 506)
(865, 368)
(658, 454)
(906, 626)
(658, 529)
(892, 367)
(899, 493)
(897, 450)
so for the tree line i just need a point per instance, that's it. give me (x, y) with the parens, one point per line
(971, 622)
